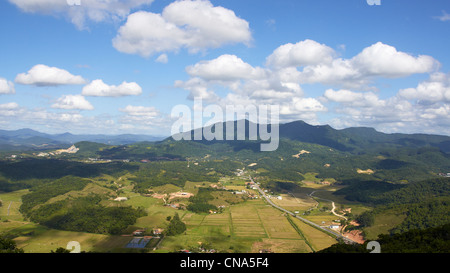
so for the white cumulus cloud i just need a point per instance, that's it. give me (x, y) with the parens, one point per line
(73, 102)
(307, 52)
(143, 119)
(361, 99)
(6, 87)
(88, 10)
(43, 75)
(97, 88)
(9, 109)
(140, 111)
(198, 88)
(317, 63)
(224, 68)
(308, 105)
(384, 60)
(162, 59)
(436, 89)
(195, 25)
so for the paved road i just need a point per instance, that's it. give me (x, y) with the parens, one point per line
(300, 218)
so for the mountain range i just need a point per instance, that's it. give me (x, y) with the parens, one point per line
(354, 139)
(27, 139)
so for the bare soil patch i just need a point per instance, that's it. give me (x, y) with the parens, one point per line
(300, 153)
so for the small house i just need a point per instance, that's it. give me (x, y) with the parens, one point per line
(158, 231)
(138, 232)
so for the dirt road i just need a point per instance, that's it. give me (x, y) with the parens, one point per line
(332, 204)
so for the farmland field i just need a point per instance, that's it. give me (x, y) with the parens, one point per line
(295, 202)
(247, 227)
(315, 237)
(11, 200)
(52, 239)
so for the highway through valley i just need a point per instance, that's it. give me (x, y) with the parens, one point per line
(336, 234)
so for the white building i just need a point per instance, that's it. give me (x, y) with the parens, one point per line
(121, 199)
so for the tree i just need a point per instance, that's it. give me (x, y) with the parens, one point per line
(9, 246)
(61, 250)
(366, 219)
(176, 226)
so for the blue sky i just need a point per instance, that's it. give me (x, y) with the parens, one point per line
(119, 66)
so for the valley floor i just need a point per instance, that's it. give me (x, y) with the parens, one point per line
(249, 227)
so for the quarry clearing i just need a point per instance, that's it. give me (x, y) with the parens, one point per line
(172, 195)
(368, 171)
(300, 153)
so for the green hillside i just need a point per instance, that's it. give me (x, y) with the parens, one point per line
(392, 181)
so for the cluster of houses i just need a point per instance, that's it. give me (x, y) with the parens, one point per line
(140, 240)
(175, 206)
(221, 207)
(239, 172)
(251, 185)
(141, 232)
(100, 160)
(279, 197)
(249, 194)
(336, 225)
(444, 174)
(201, 249)
(12, 157)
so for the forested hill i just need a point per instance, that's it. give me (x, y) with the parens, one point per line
(354, 139)
(359, 139)
(431, 240)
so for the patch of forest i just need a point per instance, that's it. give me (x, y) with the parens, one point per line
(85, 214)
(54, 168)
(200, 203)
(178, 173)
(425, 204)
(429, 240)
